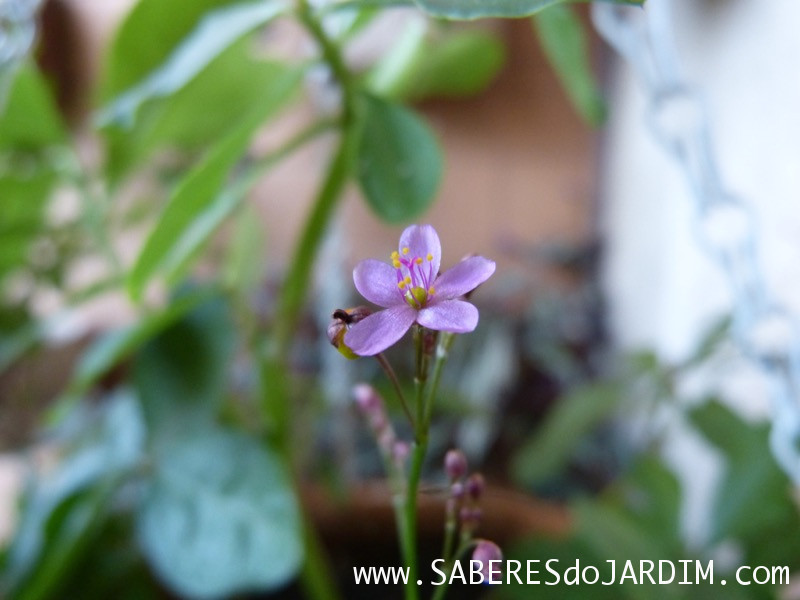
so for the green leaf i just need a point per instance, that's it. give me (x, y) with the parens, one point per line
(553, 443)
(182, 372)
(563, 40)
(651, 495)
(206, 108)
(215, 32)
(399, 161)
(197, 207)
(462, 64)
(242, 272)
(613, 535)
(754, 495)
(418, 66)
(391, 75)
(63, 507)
(479, 9)
(30, 120)
(116, 345)
(164, 24)
(219, 517)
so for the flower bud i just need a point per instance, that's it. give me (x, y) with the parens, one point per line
(485, 552)
(475, 486)
(455, 464)
(367, 398)
(342, 319)
(457, 490)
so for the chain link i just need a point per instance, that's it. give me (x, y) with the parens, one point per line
(678, 120)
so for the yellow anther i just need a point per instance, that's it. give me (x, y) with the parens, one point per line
(418, 261)
(405, 250)
(431, 291)
(402, 284)
(407, 279)
(429, 257)
(395, 255)
(396, 263)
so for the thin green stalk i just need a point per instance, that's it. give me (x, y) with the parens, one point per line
(442, 352)
(409, 540)
(261, 165)
(441, 590)
(387, 368)
(423, 406)
(450, 528)
(316, 575)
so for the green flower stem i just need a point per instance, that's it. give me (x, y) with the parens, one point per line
(276, 405)
(317, 578)
(424, 410)
(442, 352)
(316, 574)
(450, 528)
(409, 515)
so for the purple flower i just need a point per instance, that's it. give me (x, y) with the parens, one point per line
(411, 290)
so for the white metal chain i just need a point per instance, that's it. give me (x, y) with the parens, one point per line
(676, 116)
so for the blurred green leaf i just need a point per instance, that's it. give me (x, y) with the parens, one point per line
(651, 495)
(215, 32)
(571, 418)
(563, 38)
(24, 198)
(219, 517)
(206, 108)
(63, 508)
(110, 349)
(399, 161)
(181, 373)
(151, 31)
(710, 342)
(614, 535)
(197, 207)
(479, 9)
(391, 75)
(243, 270)
(462, 64)
(30, 120)
(754, 495)
(418, 66)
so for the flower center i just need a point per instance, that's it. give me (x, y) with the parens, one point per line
(414, 277)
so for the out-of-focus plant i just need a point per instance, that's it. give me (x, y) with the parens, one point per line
(638, 514)
(170, 457)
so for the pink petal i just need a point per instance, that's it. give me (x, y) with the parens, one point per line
(464, 277)
(455, 316)
(422, 240)
(377, 282)
(380, 330)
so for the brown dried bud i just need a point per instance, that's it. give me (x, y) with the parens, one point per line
(343, 318)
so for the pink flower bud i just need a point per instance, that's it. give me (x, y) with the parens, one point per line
(475, 486)
(488, 553)
(455, 464)
(457, 490)
(401, 451)
(366, 398)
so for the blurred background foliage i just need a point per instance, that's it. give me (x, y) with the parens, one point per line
(169, 469)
